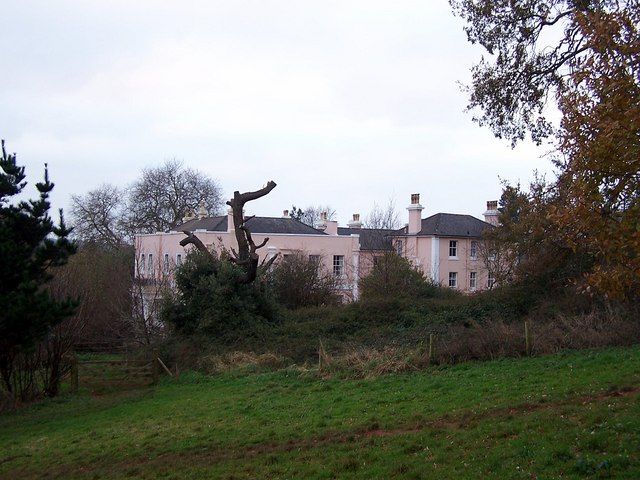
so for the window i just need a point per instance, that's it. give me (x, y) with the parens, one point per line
(315, 259)
(491, 280)
(150, 265)
(453, 279)
(178, 259)
(165, 264)
(399, 247)
(453, 248)
(474, 249)
(338, 265)
(473, 278)
(141, 266)
(376, 261)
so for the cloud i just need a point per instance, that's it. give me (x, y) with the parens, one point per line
(346, 103)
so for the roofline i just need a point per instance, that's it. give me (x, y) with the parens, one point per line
(426, 235)
(214, 232)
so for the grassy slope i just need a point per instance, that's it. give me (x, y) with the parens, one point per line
(574, 415)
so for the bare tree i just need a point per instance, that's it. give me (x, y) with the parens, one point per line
(383, 217)
(164, 195)
(499, 259)
(246, 256)
(312, 215)
(98, 216)
(110, 216)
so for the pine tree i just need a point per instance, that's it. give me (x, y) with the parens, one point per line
(30, 246)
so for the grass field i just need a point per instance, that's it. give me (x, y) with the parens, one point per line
(572, 415)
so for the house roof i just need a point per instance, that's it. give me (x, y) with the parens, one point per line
(254, 224)
(370, 238)
(451, 225)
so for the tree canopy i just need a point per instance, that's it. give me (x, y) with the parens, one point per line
(585, 56)
(157, 201)
(30, 246)
(535, 47)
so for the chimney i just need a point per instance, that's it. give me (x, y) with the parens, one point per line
(189, 216)
(415, 214)
(491, 215)
(285, 214)
(355, 223)
(202, 210)
(230, 224)
(330, 227)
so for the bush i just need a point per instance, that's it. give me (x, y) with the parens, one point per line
(395, 277)
(299, 281)
(210, 302)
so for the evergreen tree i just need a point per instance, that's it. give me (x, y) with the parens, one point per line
(30, 245)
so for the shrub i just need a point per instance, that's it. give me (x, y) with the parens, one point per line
(209, 301)
(299, 280)
(394, 277)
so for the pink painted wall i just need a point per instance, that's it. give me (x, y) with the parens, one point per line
(161, 244)
(420, 251)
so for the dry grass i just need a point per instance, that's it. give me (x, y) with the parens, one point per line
(371, 363)
(241, 361)
(458, 343)
(487, 341)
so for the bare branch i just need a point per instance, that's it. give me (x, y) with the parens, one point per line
(195, 241)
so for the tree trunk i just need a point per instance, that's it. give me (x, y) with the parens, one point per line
(246, 256)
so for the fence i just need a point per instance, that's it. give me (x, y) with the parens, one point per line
(118, 369)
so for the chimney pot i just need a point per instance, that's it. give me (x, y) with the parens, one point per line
(415, 214)
(491, 215)
(202, 210)
(355, 223)
(285, 213)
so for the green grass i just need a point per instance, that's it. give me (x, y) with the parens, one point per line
(572, 415)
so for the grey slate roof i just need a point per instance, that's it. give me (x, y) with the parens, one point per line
(370, 238)
(451, 225)
(255, 225)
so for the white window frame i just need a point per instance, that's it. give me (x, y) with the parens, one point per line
(150, 265)
(338, 265)
(399, 247)
(178, 260)
(165, 264)
(453, 247)
(473, 280)
(491, 280)
(453, 279)
(473, 250)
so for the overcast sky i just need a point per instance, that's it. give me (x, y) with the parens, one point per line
(340, 102)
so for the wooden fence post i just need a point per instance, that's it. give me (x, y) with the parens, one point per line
(527, 338)
(432, 351)
(155, 366)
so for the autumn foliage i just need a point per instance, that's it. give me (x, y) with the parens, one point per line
(582, 230)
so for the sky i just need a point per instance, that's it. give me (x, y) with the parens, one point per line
(346, 103)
